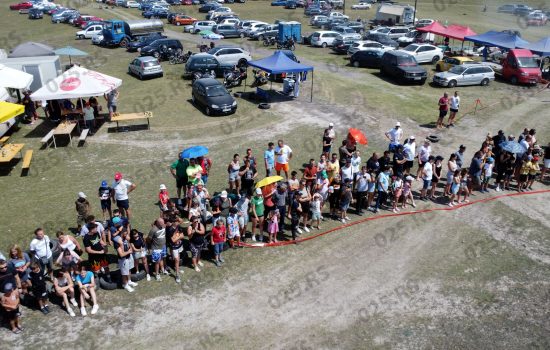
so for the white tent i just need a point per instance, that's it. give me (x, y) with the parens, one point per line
(13, 78)
(75, 83)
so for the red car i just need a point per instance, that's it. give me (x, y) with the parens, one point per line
(82, 20)
(21, 6)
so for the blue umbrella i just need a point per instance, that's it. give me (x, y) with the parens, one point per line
(70, 51)
(512, 147)
(194, 152)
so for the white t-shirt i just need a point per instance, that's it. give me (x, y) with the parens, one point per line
(88, 113)
(455, 102)
(121, 189)
(424, 153)
(362, 182)
(428, 171)
(100, 229)
(285, 152)
(355, 164)
(41, 247)
(409, 150)
(346, 173)
(488, 169)
(395, 135)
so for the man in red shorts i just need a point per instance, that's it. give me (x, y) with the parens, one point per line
(283, 155)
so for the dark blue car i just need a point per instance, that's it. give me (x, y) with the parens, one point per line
(143, 41)
(278, 3)
(158, 13)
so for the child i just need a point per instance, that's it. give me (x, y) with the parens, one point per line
(455, 186)
(86, 283)
(217, 239)
(39, 287)
(533, 172)
(104, 194)
(234, 227)
(69, 260)
(10, 303)
(464, 178)
(346, 200)
(487, 173)
(164, 199)
(397, 189)
(407, 192)
(273, 225)
(140, 253)
(315, 208)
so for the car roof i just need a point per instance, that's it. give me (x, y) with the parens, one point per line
(146, 58)
(398, 53)
(207, 82)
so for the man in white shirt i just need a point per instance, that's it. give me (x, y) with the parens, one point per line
(361, 186)
(394, 135)
(409, 150)
(455, 104)
(427, 174)
(283, 155)
(423, 156)
(40, 247)
(121, 189)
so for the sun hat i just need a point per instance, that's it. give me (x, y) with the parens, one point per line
(224, 194)
(398, 124)
(412, 137)
(81, 195)
(118, 176)
(162, 187)
(330, 124)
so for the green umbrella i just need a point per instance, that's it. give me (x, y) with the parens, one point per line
(70, 51)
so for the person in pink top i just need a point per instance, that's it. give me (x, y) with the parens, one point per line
(164, 199)
(443, 109)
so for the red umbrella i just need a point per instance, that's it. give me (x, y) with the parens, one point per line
(358, 136)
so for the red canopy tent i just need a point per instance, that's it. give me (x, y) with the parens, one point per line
(455, 31)
(435, 28)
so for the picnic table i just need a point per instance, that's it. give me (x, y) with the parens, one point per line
(64, 128)
(9, 151)
(66, 112)
(132, 116)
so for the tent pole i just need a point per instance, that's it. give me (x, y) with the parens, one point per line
(311, 94)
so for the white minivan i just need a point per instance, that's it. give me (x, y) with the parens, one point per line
(89, 32)
(323, 38)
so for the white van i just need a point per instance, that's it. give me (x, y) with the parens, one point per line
(323, 38)
(89, 32)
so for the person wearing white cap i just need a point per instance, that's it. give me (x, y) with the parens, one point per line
(83, 209)
(330, 131)
(164, 199)
(409, 150)
(394, 135)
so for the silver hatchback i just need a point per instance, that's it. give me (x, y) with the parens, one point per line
(465, 74)
(145, 66)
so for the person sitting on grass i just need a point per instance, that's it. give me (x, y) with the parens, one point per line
(86, 284)
(39, 287)
(125, 260)
(10, 303)
(64, 288)
(140, 253)
(69, 261)
(20, 263)
(217, 239)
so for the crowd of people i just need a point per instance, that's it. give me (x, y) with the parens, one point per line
(201, 222)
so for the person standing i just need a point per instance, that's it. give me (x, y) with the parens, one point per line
(89, 117)
(460, 156)
(310, 175)
(125, 260)
(304, 197)
(40, 247)
(156, 239)
(476, 167)
(451, 168)
(427, 175)
(206, 165)
(423, 156)
(280, 200)
(443, 109)
(269, 159)
(284, 155)
(454, 102)
(175, 238)
(361, 186)
(217, 240)
(383, 184)
(112, 98)
(83, 210)
(248, 174)
(196, 233)
(178, 169)
(257, 204)
(96, 248)
(10, 303)
(104, 194)
(409, 151)
(399, 161)
(333, 167)
(327, 143)
(294, 213)
(121, 190)
(394, 135)
(234, 179)
(30, 107)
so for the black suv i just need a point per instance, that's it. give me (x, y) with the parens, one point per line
(204, 63)
(213, 97)
(403, 67)
(144, 41)
(156, 47)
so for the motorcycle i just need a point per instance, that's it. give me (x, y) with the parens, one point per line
(179, 57)
(234, 78)
(288, 44)
(260, 78)
(269, 41)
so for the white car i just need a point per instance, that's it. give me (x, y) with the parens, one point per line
(224, 10)
(89, 32)
(254, 27)
(361, 6)
(132, 4)
(368, 45)
(423, 22)
(231, 55)
(339, 15)
(315, 18)
(424, 53)
(229, 21)
(348, 33)
(324, 38)
(202, 25)
(97, 39)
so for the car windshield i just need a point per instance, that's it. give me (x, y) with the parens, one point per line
(150, 63)
(349, 30)
(407, 61)
(457, 69)
(215, 90)
(383, 30)
(527, 62)
(411, 48)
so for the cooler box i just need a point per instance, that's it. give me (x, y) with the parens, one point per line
(290, 30)
(288, 85)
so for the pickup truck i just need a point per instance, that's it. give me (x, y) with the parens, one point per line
(518, 67)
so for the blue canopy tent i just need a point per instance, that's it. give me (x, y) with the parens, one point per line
(279, 63)
(541, 47)
(503, 40)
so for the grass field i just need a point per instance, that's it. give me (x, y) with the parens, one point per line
(477, 277)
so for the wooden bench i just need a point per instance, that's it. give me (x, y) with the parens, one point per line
(83, 136)
(4, 140)
(27, 158)
(46, 140)
(131, 116)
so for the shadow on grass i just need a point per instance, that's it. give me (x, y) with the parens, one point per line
(7, 168)
(41, 129)
(127, 128)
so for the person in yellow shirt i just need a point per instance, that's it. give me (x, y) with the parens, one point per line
(526, 167)
(535, 169)
(192, 170)
(333, 167)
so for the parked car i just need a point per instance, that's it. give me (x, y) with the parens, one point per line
(145, 67)
(402, 67)
(254, 27)
(313, 11)
(290, 5)
(368, 45)
(320, 21)
(230, 55)
(213, 97)
(323, 38)
(278, 3)
(82, 20)
(202, 25)
(382, 39)
(21, 6)
(89, 32)
(35, 14)
(97, 38)
(469, 74)
(131, 4)
(335, 14)
(537, 19)
(156, 47)
(63, 16)
(208, 7)
(347, 32)
(424, 53)
(316, 18)
(423, 22)
(368, 58)
(449, 62)
(522, 10)
(227, 31)
(205, 62)
(509, 8)
(223, 20)
(183, 20)
(264, 31)
(341, 45)
(156, 13)
(143, 41)
(361, 6)
(391, 32)
(358, 27)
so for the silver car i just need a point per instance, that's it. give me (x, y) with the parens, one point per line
(145, 66)
(466, 74)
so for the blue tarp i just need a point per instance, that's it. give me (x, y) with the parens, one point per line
(541, 47)
(498, 39)
(279, 63)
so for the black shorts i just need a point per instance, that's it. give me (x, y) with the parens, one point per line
(442, 114)
(12, 315)
(305, 208)
(409, 164)
(454, 110)
(39, 292)
(123, 204)
(523, 177)
(181, 182)
(531, 177)
(105, 204)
